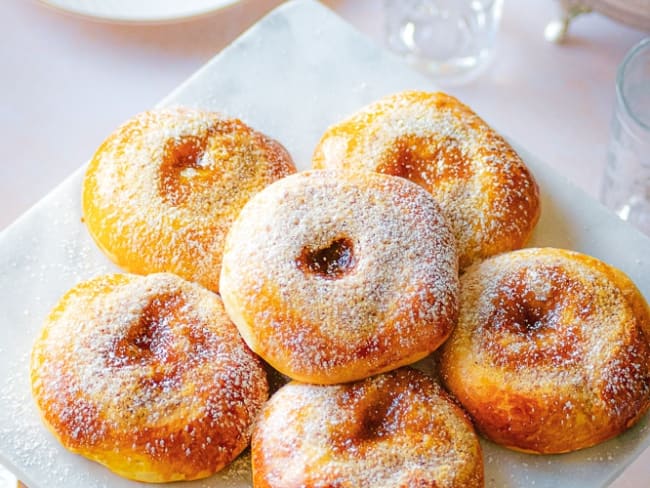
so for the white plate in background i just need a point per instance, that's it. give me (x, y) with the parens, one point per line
(140, 11)
(297, 71)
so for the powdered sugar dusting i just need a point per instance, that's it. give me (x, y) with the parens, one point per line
(488, 195)
(395, 303)
(162, 190)
(147, 374)
(395, 429)
(554, 339)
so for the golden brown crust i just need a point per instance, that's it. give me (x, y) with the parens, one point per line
(332, 276)
(162, 191)
(147, 376)
(396, 429)
(485, 190)
(550, 353)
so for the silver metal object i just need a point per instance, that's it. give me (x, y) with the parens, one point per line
(635, 13)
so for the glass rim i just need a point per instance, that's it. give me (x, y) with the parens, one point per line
(620, 73)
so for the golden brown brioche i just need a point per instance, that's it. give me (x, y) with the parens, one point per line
(489, 197)
(398, 429)
(147, 376)
(550, 353)
(332, 276)
(161, 192)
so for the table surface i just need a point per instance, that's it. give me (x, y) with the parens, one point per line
(67, 82)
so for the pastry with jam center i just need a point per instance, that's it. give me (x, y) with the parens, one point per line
(395, 429)
(551, 352)
(488, 195)
(147, 376)
(333, 276)
(161, 192)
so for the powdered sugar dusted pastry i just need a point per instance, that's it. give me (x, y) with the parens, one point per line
(147, 376)
(396, 429)
(551, 350)
(162, 191)
(489, 197)
(332, 276)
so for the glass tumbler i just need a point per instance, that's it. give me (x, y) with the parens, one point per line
(452, 40)
(626, 182)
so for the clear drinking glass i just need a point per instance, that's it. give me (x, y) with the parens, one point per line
(626, 183)
(452, 40)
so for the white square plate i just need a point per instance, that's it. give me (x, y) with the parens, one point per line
(293, 74)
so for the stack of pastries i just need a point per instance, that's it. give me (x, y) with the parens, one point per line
(403, 240)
